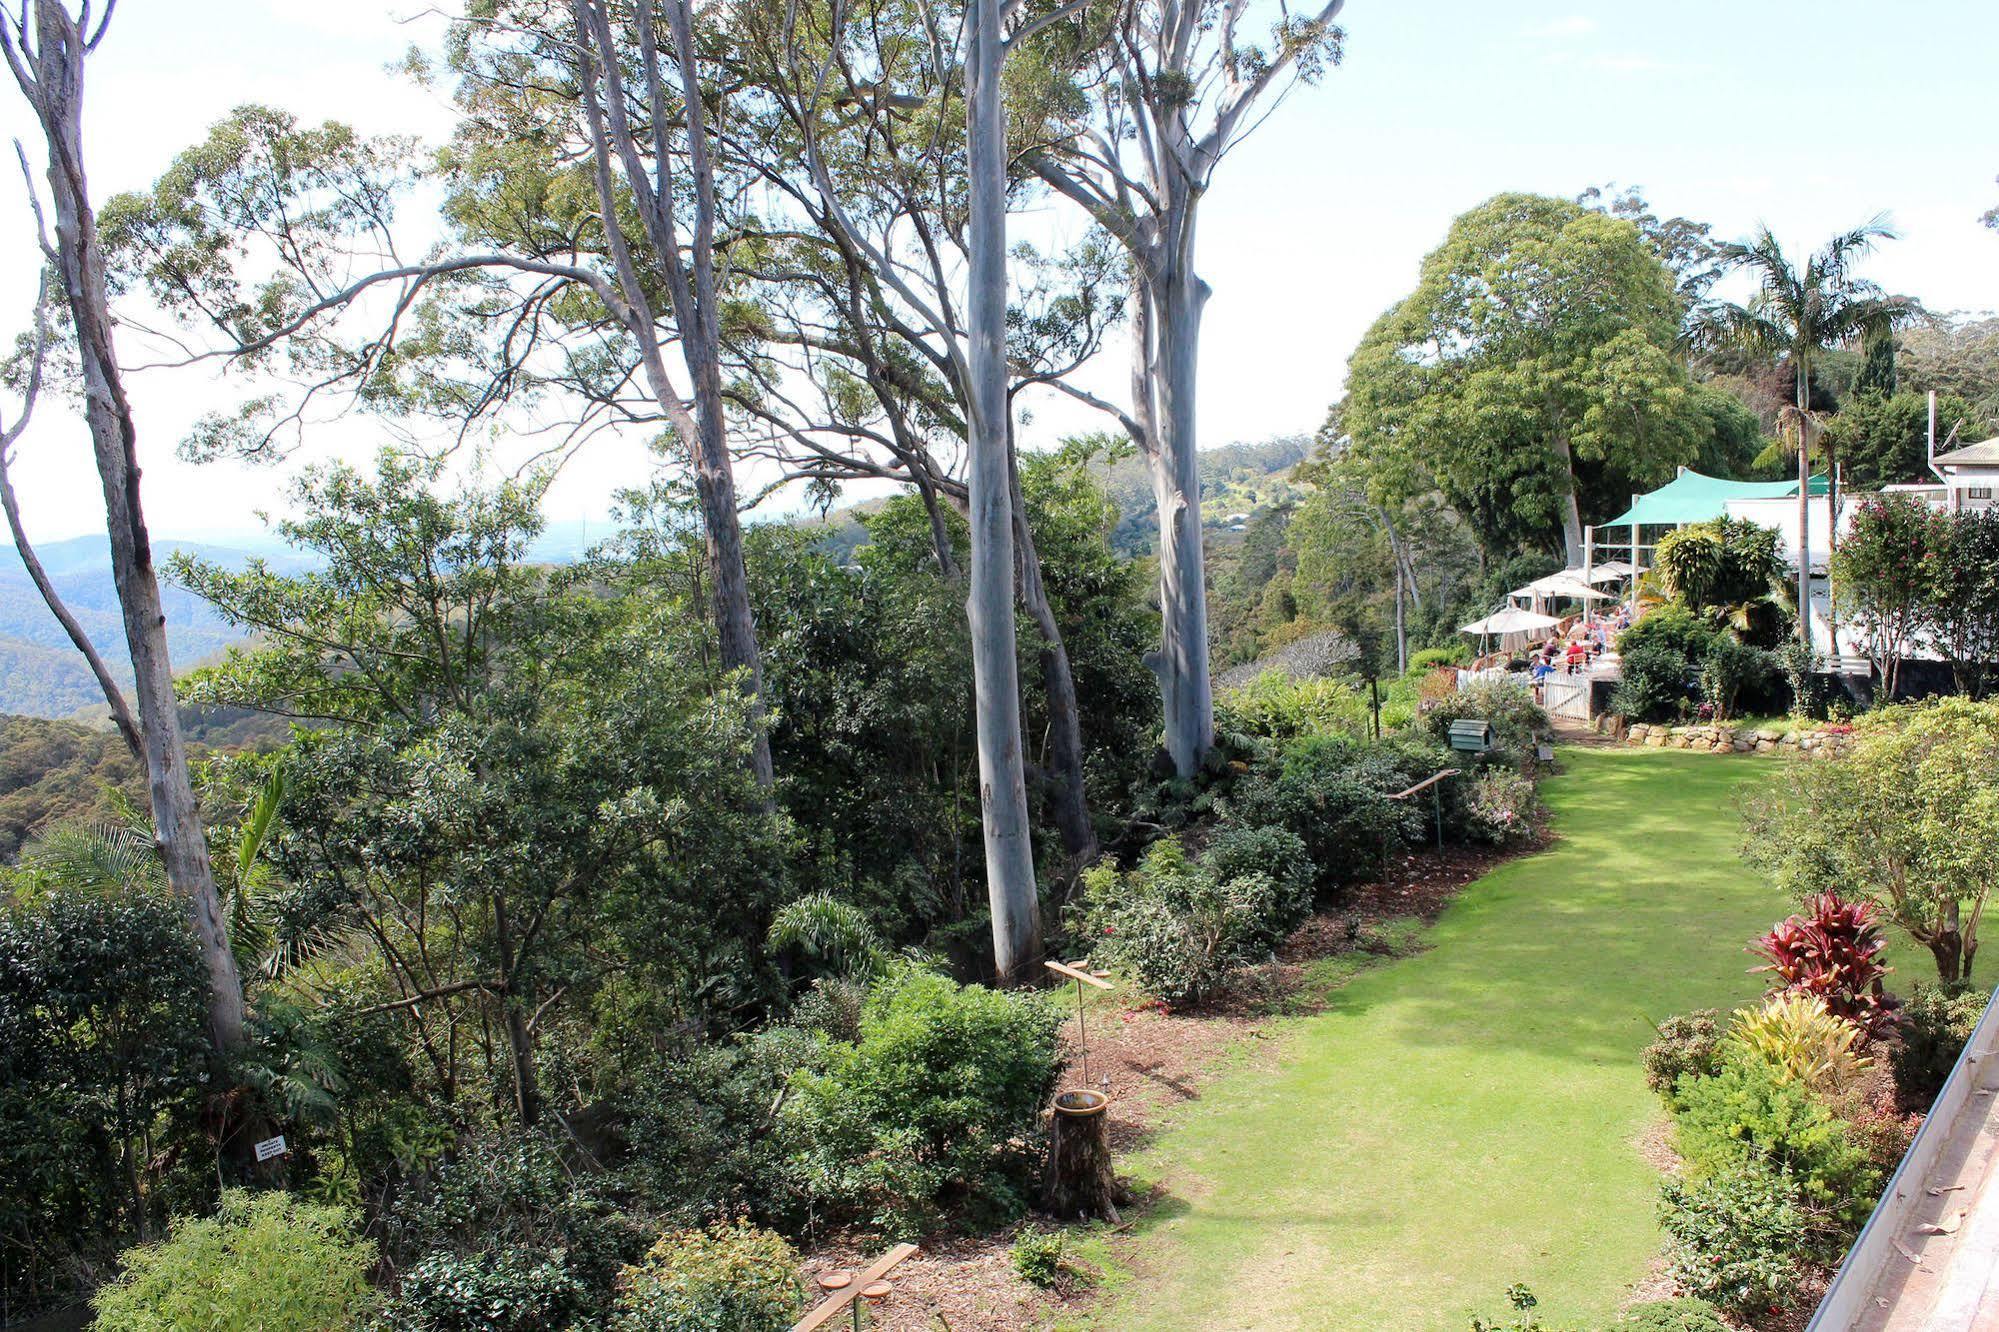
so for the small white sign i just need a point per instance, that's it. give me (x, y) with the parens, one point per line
(270, 1147)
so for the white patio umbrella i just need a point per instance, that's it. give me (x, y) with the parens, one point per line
(1610, 571)
(1512, 626)
(1567, 584)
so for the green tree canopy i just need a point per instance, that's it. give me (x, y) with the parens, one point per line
(1531, 376)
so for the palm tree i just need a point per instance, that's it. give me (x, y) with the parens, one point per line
(1798, 315)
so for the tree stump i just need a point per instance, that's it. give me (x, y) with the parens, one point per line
(1078, 1182)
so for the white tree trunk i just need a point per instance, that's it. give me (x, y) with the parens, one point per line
(57, 91)
(1175, 297)
(1572, 514)
(1010, 882)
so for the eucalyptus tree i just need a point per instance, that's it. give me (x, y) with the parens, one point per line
(47, 48)
(1798, 314)
(583, 256)
(893, 116)
(858, 135)
(1171, 87)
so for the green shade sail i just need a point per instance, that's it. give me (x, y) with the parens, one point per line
(1692, 497)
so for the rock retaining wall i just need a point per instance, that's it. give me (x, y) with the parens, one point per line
(1725, 739)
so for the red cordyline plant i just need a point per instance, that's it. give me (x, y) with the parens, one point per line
(1832, 950)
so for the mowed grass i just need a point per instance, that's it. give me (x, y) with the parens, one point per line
(1471, 1116)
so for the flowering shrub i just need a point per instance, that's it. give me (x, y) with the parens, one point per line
(1832, 952)
(1501, 808)
(1687, 1043)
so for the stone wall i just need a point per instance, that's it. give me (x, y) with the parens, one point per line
(1725, 739)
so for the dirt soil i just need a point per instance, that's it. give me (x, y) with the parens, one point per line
(1152, 1058)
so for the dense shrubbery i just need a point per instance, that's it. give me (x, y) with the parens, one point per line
(931, 1111)
(1674, 656)
(726, 1278)
(1748, 1115)
(1178, 928)
(1683, 1315)
(506, 1237)
(1517, 722)
(103, 1056)
(1332, 794)
(1740, 1237)
(1932, 1029)
(265, 1262)
(1651, 685)
(1501, 808)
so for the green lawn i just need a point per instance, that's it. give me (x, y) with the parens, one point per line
(1468, 1117)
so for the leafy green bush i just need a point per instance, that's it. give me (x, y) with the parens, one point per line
(508, 1288)
(1729, 669)
(1517, 722)
(1278, 854)
(103, 1052)
(267, 1262)
(1037, 1256)
(1652, 683)
(1935, 1024)
(1749, 1114)
(932, 1110)
(727, 1278)
(1671, 627)
(1673, 1316)
(697, 1126)
(1177, 928)
(1428, 659)
(1332, 793)
(1501, 808)
(1689, 1043)
(503, 1236)
(1740, 1238)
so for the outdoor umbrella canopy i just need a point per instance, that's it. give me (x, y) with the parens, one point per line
(1610, 571)
(1568, 583)
(1512, 620)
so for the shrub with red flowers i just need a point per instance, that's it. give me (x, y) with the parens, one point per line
(1832, 951)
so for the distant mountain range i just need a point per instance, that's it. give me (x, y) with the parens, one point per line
(42, 675)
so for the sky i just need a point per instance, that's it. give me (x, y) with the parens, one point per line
(1716, 109)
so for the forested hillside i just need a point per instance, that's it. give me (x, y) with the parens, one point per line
(55, 772)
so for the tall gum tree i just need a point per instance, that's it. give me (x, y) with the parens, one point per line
(47, 48)
(584, 257)
(1172, 86)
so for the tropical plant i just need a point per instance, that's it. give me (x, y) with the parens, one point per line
(1799, 314)
(1728, 668)
(1795, 1034)
(1832, 954)
(837, 933)
(1724, 571)
(1749, 1113)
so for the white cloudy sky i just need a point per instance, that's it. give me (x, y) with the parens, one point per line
(1811, 114)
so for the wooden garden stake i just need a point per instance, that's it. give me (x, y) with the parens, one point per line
(1082, 978)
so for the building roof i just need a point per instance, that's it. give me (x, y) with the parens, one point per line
(1984, 453)
(1692, 497)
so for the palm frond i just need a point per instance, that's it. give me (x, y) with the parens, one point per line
(97, 858)
(822, 926)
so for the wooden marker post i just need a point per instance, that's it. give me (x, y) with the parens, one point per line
(1078, 1181)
